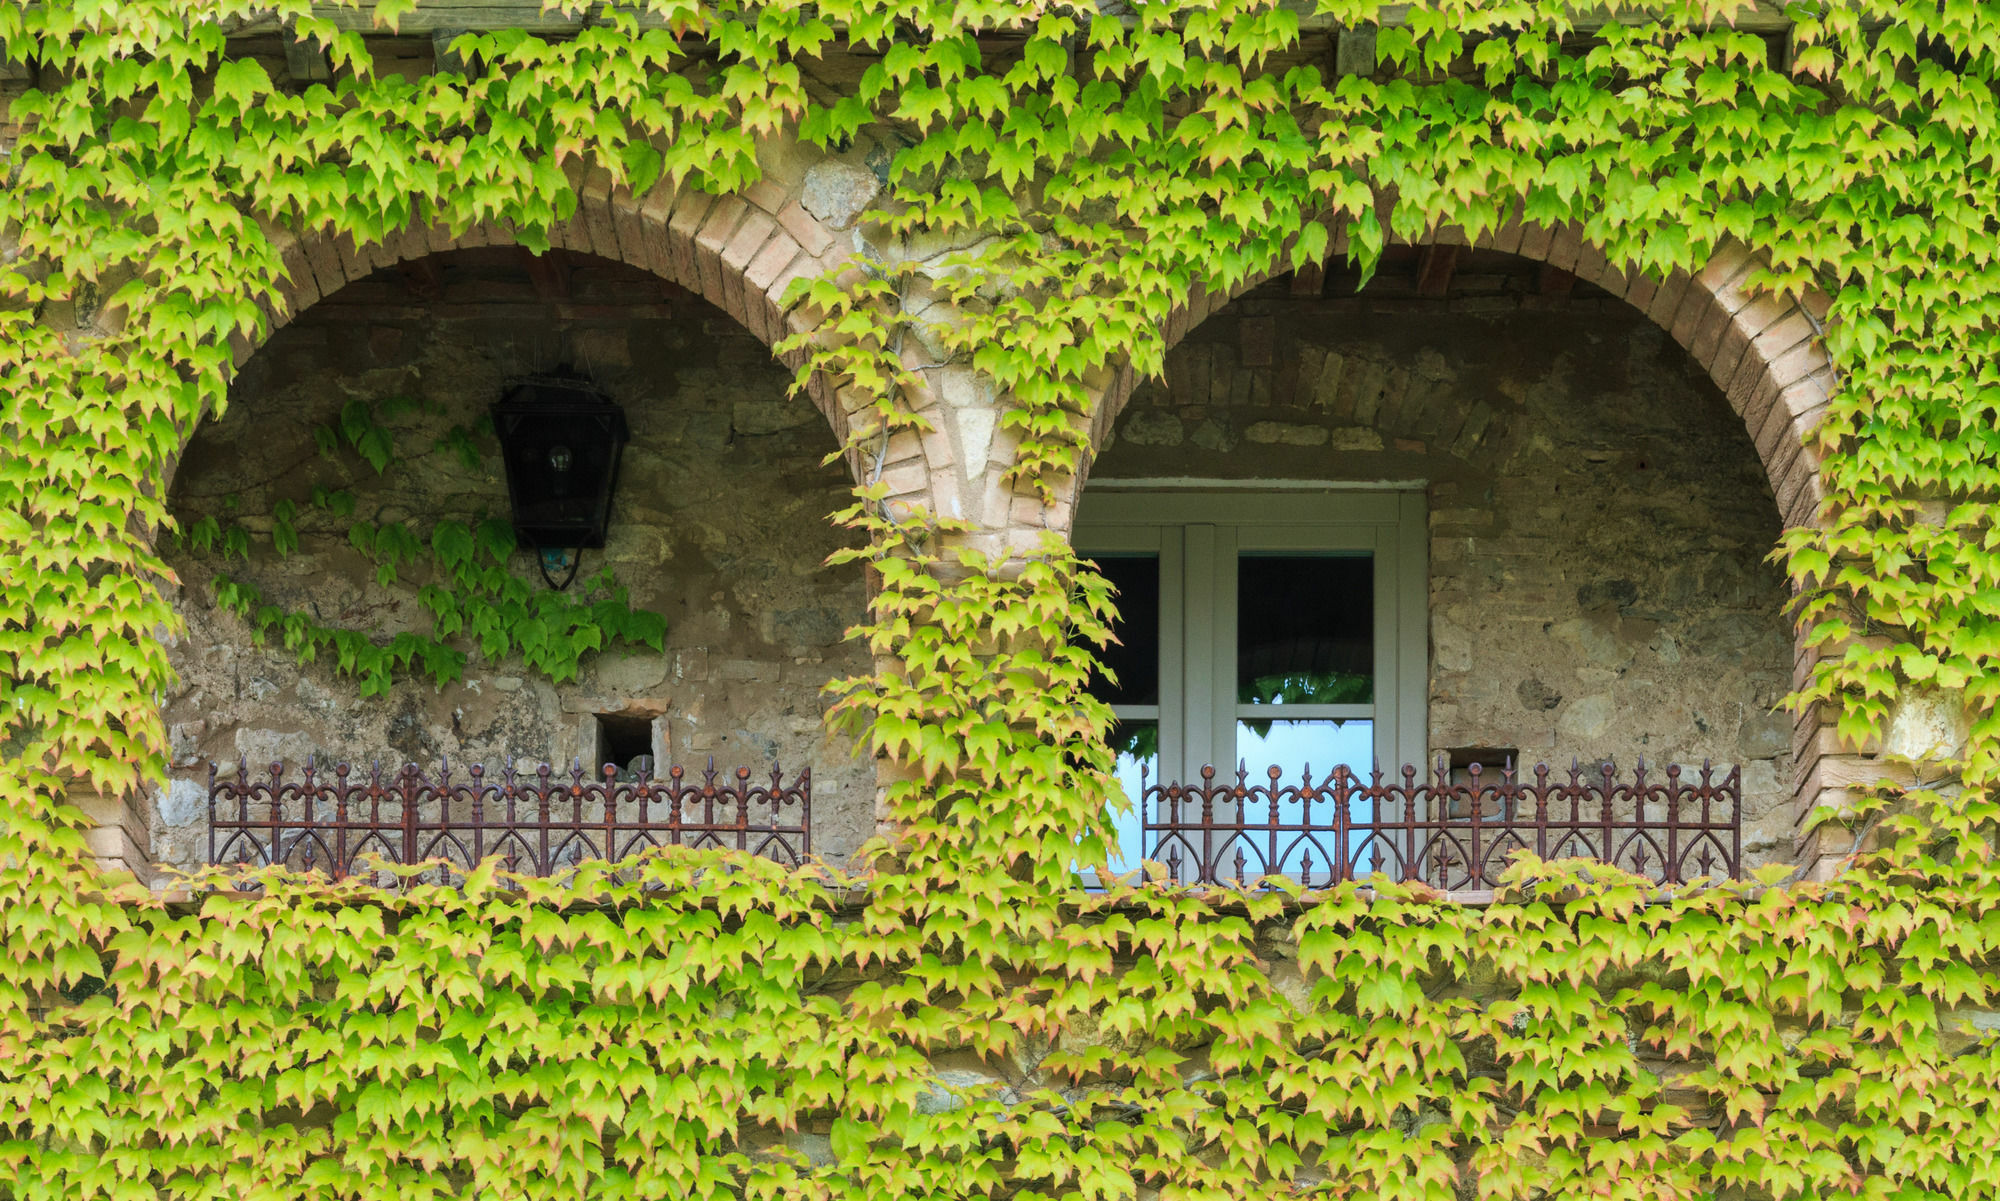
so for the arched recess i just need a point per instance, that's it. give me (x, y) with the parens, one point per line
(1764, 353)
(740, 252)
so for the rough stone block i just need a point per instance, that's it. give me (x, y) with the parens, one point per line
(1257, 340)
(838, 193)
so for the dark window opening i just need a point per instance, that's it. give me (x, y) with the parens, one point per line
(623, 740)
(1305, 630)
(1134, 660)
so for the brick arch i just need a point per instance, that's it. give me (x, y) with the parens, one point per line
(738, 251)
(1764, 353)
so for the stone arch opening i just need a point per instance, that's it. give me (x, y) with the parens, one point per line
(1596, 523)
(740, 252)
(1762, 351)
(718, 525)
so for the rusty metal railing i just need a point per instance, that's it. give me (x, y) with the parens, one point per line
(1449, 835)
(541, 825)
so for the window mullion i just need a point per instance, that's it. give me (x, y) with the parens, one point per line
(1198, 745)
(1408, 546)
(1173, 652)
(1222, 577)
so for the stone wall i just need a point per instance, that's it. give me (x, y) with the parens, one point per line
(719, 524)
(1599, 519)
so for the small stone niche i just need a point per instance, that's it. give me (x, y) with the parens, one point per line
(1493, 763)
(633, 739)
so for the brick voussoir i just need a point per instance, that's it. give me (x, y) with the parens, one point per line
(1707, 338)
(1506, 239)
(628, 226)
(768, 194)
(1730, 260)
(749, 238)
(1696, 304)
(771, 262)
(690, 210)
(1744, 384)
(1667, 298)
(1792, 331)
(1566, 248)
(804, 229)
(716, 231)
(1535, 242)
(1595, 267)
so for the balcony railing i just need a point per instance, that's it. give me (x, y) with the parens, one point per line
(1451, 835)
(539, 825)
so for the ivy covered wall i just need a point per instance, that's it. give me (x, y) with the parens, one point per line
(1069, 190)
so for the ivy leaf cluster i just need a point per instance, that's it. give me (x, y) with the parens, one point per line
(468, 588)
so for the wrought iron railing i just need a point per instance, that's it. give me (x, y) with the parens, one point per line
(539, 825)
(1451, 835)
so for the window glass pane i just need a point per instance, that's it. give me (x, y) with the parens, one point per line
(1135, 658)
(1293, 745)
(1306, 846)
(1138, 745)
(1305, 629)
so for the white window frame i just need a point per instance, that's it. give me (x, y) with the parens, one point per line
(1198, 534)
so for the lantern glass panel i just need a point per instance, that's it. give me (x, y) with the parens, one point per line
(562, 439)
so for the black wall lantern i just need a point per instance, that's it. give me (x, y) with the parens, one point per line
(561, 437)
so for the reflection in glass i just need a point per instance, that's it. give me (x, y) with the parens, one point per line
(1137, 743)
(1323, 744)
(1305, 629)
(1134, 660)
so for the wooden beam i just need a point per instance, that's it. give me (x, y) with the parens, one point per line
(1753, 16)
(1354, 52)
(548, 272)
(445, 60)
(306, 62)
(1783, 47)
(1434, 269)
(1309, 281)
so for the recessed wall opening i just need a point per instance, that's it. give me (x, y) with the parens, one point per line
(625, 739)
(719, 454)
(1591, 520)
(1493, 761)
